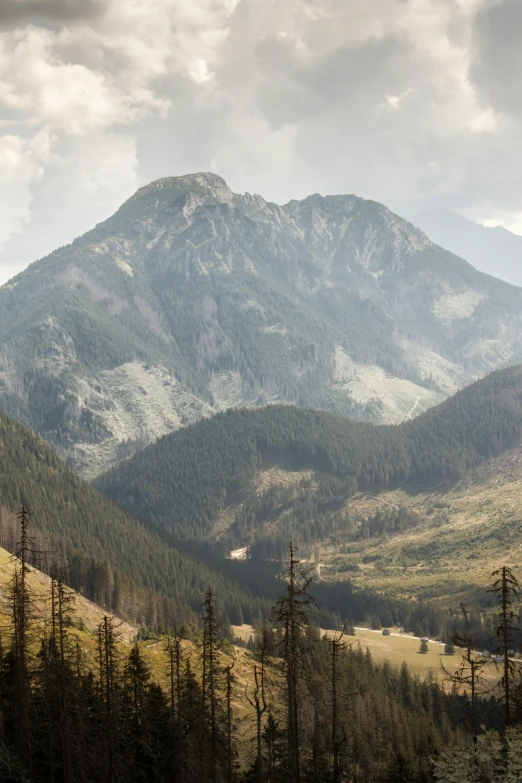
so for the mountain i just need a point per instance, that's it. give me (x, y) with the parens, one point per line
(258, 478)
(192, 299)
(493, 250)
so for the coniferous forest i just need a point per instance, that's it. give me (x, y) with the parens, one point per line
(313, 707)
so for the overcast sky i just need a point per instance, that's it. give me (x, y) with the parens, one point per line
(415, 103)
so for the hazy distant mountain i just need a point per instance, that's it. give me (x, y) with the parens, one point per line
(192, 299)
(495, 251)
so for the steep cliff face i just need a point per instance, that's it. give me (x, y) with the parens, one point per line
(192, 299)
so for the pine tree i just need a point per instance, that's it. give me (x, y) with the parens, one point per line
(230, 755)
(317, 766)
(291, 613)
(58, 735)
(64, 683)
(109, 692)
(197, 763)
(210, 676)
(338, 733)
(146, 719)
(274, 737)
(22, 615)
(175, 659)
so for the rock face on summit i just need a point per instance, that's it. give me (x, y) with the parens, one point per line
(192, 299)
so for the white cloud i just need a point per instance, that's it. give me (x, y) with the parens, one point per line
(77, 85)
(391, 99)
(200, 72)
(51, 204)
(22, 161)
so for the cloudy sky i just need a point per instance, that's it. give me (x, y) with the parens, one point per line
(415, 103)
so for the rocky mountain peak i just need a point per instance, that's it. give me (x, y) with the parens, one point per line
(191, 299)
(204, 182)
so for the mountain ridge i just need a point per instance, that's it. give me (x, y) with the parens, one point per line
(191, 299)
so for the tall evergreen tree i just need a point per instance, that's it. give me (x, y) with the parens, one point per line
(22, 615)
(109, 689)
(291, 613)
(210, 671)
(338, 737)
(230, 754)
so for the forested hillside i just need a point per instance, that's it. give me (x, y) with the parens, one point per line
(94, 705)
(206, 482)
(123, 564)
(100, 541)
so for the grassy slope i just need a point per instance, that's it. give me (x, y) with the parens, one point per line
(86, 616)
(82, 611)
(398, 649)
(395, 648)
(464, 534)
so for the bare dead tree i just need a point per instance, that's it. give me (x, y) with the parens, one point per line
(470, 672)
(505, 589)
(258, 703)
